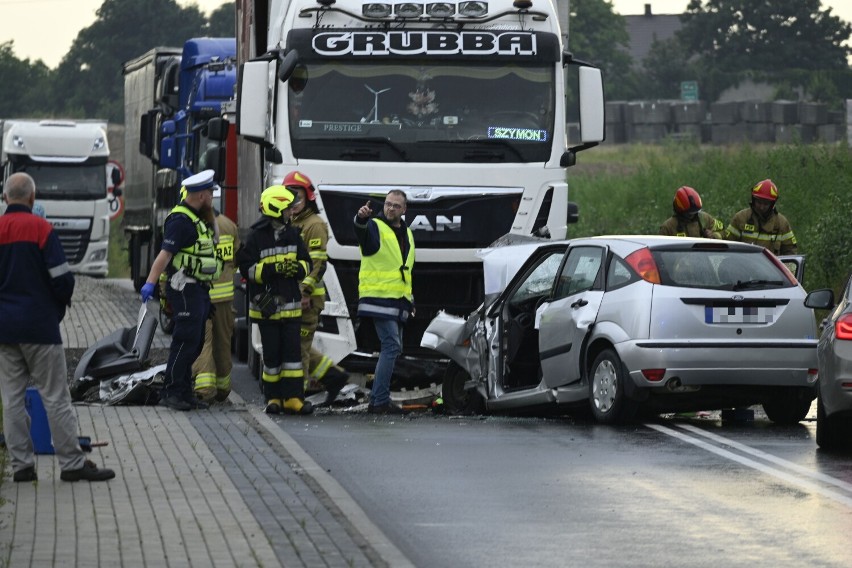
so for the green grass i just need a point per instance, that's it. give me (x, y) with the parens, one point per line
(119, 259)
(629, 190)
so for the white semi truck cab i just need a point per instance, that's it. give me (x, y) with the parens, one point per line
(67, 159)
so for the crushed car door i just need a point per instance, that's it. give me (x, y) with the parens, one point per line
(564, 320)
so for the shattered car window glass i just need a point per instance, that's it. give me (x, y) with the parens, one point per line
(540, 280)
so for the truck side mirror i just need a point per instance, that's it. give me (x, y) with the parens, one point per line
(214, 159)
(115, 177)
(168, 153)
(217, 129)
(288, 63)
(148, 134)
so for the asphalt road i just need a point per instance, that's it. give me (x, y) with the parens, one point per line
(560, 491)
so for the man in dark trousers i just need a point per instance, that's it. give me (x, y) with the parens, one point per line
(384, 287)
(36, 285)
(188, 255)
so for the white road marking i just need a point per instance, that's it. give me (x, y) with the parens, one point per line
(769, 470)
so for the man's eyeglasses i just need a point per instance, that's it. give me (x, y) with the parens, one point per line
(394, 206)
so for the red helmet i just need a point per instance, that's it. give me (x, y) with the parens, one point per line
(686, 201)
(765, 190)
(298, 179)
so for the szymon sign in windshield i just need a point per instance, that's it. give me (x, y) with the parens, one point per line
(424, 43)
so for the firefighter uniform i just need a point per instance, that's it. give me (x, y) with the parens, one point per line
(773, 233)
(274, 261)
(212, 369)
(678, 226)
(318, 367)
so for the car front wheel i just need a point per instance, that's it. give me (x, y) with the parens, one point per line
(457, 399)
(607, 396)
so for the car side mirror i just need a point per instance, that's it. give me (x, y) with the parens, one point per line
(822, 299)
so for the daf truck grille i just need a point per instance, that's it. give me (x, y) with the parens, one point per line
(74, 243)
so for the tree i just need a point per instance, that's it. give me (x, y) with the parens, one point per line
(765, 35)
(665, 66)
(88, 81)
(23, 85)
(598, 35)
(223, 21)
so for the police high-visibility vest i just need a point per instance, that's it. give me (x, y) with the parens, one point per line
(385, 274)
(199, 259)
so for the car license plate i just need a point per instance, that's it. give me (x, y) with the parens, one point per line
(739, 314)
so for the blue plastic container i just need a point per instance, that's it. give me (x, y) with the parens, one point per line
(39, 427)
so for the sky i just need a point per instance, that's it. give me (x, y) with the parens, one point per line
(45, 29)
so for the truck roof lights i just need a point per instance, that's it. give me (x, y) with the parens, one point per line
(376, 10)
(473, 9)
(440, 9)
(408, 10)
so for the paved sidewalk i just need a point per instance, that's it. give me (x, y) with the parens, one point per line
(220, 487)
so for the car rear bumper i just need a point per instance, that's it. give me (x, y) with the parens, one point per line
(687, 364)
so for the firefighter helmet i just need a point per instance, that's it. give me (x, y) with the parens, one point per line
(300, 180)
(275, 200)
(765, 189)
(686, 201)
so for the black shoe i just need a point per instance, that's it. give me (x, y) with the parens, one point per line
(175, 403)
(387, 408)
(25, 474)
(333, 381)
(89, 472)
(197, 403)
(307, 408)
(272, 408)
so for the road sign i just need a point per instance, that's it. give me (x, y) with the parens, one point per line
(689, 90)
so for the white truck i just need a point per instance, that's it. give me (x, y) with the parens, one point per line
(462, 104)
(68, 161)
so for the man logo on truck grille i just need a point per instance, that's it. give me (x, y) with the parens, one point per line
(424, 43)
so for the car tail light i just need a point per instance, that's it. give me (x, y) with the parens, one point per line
(654, 375)
(644, 264)
(843, 327)
(790, 276)
(846, 385)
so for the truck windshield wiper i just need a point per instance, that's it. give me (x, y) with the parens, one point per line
(742, 285)
(364, 153)
(491, 148)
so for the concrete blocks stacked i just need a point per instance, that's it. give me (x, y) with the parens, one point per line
(731, 122)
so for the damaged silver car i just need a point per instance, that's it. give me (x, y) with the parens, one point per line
(625, 323)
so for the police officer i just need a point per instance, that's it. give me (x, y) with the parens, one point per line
(688, 219)
(384, 287)
(314, 232)
(212, 369)
(188, 255)
(761, 224)
(274, 261)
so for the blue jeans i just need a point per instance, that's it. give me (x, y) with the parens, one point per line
(390, 336)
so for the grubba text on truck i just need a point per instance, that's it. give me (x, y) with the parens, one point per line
(459, 104)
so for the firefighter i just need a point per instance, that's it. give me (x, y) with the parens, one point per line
(212, 369)
(314, 232)
(688, 219)
(274, 261)
(188, 256)
(761, 224)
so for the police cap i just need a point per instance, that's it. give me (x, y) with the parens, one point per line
(200, 182)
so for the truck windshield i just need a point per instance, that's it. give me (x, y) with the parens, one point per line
(77, 182)
(417, 111)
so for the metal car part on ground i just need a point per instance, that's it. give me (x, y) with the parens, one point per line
(629, 323)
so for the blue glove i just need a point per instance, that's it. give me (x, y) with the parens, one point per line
(148, 291)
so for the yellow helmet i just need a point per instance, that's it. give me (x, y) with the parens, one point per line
(275, 200)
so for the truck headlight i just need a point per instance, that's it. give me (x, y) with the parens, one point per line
(98, 255)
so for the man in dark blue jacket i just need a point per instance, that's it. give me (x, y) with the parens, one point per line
(36, 285)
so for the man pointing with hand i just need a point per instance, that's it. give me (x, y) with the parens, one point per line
(384, 289)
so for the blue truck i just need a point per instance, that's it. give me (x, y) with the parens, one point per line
(176, 107)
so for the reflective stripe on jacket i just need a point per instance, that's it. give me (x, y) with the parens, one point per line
(774, 234)
(199, 260)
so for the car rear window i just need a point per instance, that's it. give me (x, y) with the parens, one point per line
(719, 269)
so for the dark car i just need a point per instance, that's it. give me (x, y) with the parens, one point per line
(834, 351)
